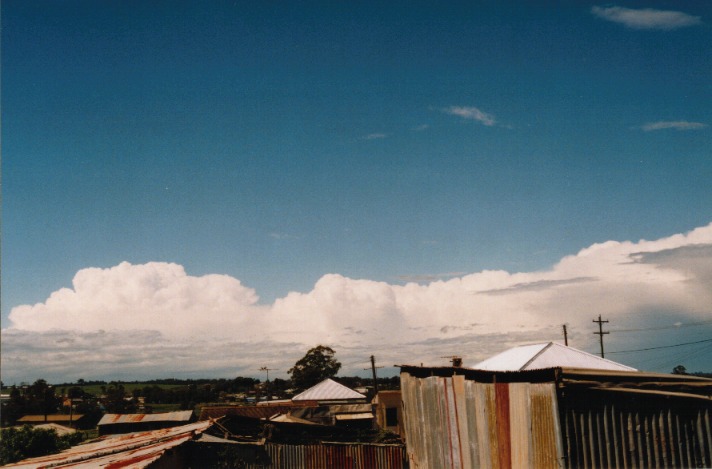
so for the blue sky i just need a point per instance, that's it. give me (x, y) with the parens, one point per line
(395, 142)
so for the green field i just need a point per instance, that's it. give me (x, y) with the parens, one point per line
(95, 389)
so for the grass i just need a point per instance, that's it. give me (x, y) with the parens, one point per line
(95, 389)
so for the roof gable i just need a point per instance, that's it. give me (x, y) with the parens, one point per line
(328, 390)
(547, 355)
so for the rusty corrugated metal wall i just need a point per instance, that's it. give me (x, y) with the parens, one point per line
(451, 422)
(605, 428)
(346, 456)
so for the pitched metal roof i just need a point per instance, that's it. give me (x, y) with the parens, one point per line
(547, 355)
(131, 450)
(52, 418)
(60, 429)
(178, 416)
(256, 412)
(328, 390)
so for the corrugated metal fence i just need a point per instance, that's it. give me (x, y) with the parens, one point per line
(451, 422)
(346, 456)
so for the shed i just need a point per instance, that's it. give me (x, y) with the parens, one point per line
(329, 391)
(547, 355)
(555, 417)
(67, 420)
(126, 423)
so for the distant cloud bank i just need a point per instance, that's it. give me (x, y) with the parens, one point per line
(646, 18)
(156, 320)
(677, 125)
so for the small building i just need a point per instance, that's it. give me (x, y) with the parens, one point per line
(65, 420)
(554, 418)
(329, 392)
(388, 408)
(111, 424)
(332, 403)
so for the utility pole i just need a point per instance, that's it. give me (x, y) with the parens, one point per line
(269, 394)
(373, 370)
(264, 368)
(601, 333)
(566, 337)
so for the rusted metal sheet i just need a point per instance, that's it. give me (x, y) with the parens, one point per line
(252, 411)
(546, 444)
(178, 416)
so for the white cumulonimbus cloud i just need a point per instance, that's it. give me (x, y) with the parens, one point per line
(155, 320)
(646, 18)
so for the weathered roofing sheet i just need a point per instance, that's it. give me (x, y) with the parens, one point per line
(178, 416)
(251, 411)
(133, 450)
(328, 390)
(547, 355)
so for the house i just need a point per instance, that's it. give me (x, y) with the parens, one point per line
(555, 417)
(389, 411)
(66, 420)
(329, 392)
(547, 355)
(126, 423)
(326, 403)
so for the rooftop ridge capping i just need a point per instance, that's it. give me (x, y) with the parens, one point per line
(536, 355)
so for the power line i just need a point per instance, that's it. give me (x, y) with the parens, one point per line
(678, 359)
(662, 346)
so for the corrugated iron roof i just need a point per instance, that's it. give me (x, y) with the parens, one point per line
(547, 355)
(178, 416)
(328, 390)
(255, 412)
(132, 450)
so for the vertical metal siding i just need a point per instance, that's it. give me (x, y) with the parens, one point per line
(605, 431)
(346, 456)
(455, 423)
(520, 424)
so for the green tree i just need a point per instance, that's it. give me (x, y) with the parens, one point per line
(28, 442)
(679, 370)
(115, 401)
(317, 365)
